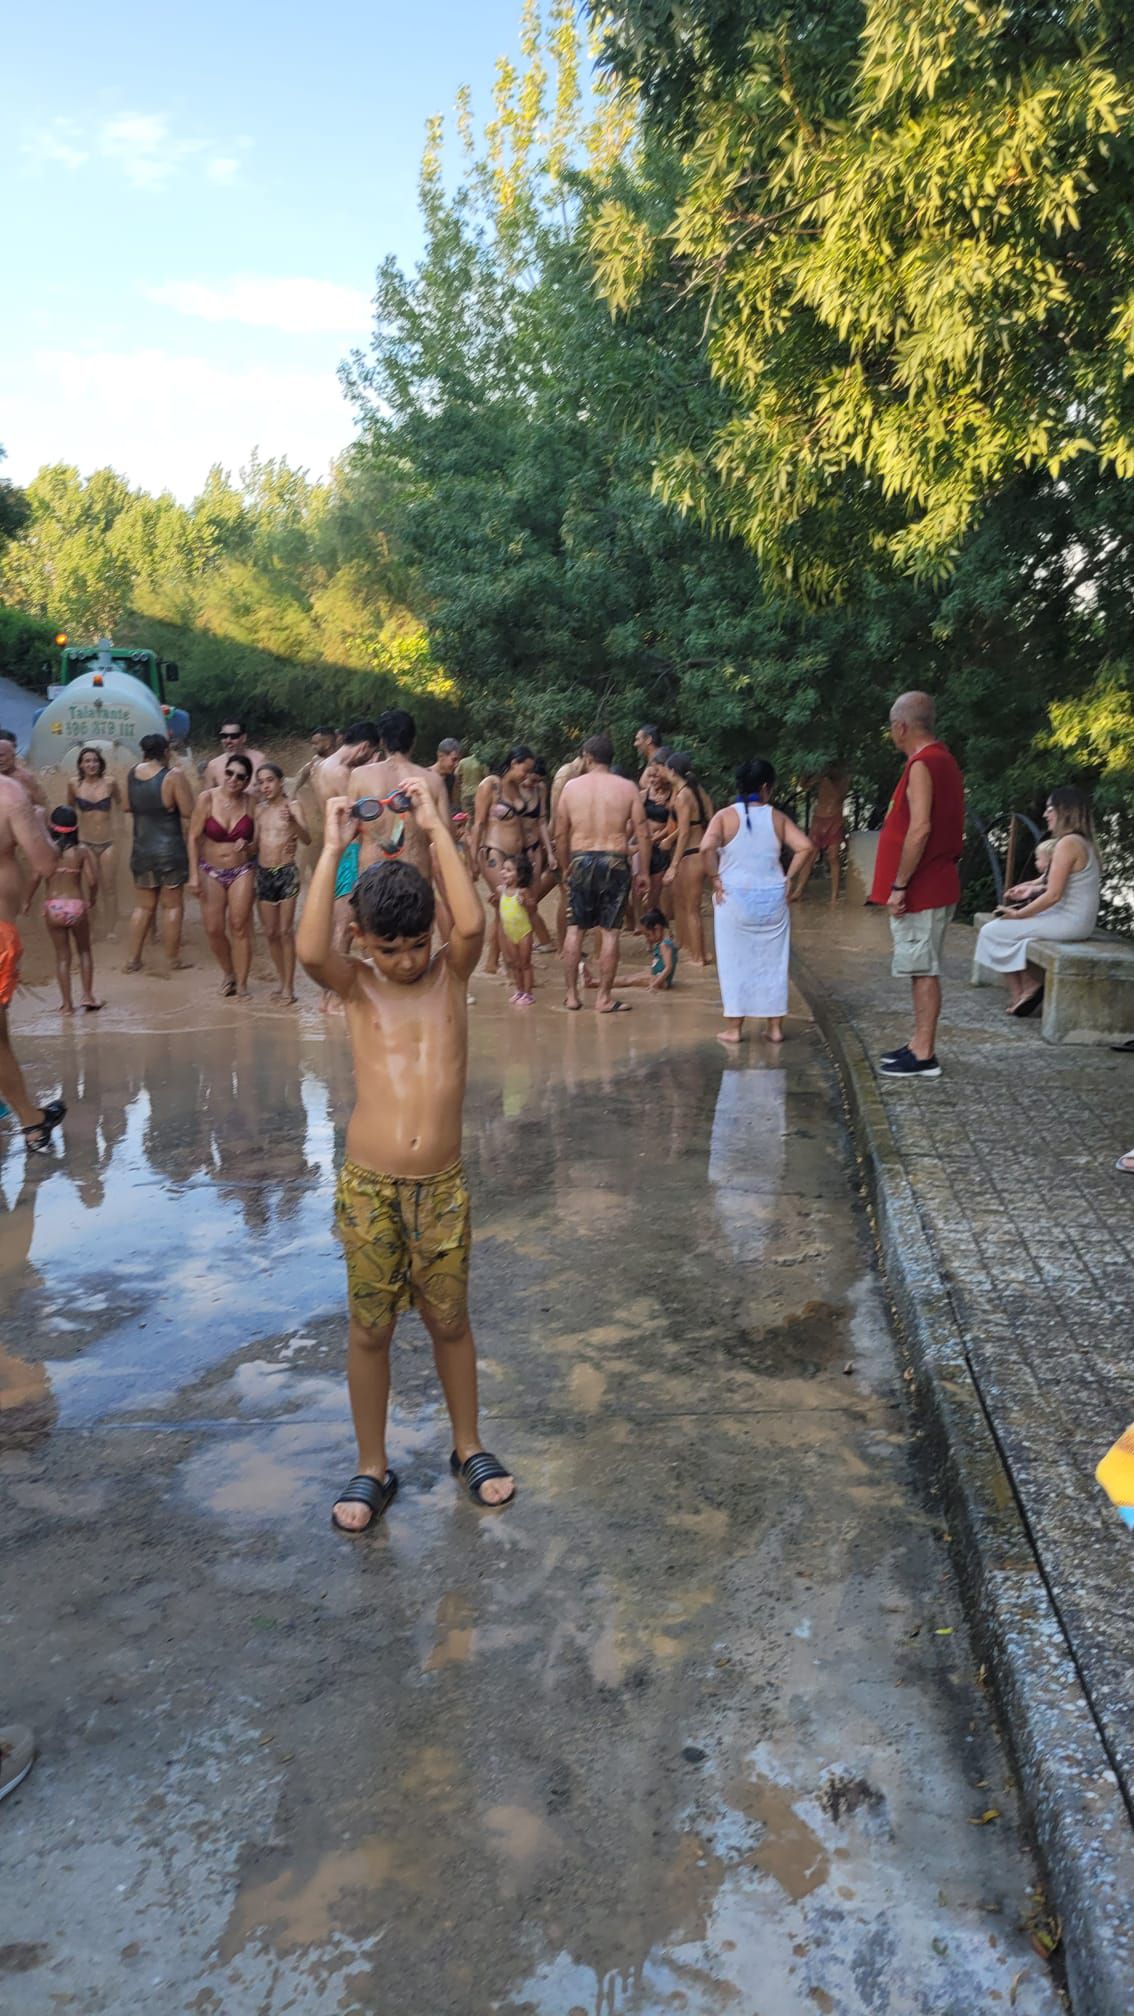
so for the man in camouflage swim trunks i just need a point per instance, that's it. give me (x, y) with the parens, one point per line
(598, 819)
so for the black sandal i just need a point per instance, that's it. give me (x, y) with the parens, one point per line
(478, 1470)
(364, 1490)
(1030, 1005)
(42, 1130)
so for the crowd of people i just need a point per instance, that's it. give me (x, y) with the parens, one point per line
(393, 927)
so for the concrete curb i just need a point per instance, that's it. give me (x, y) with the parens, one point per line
(1075, 1805)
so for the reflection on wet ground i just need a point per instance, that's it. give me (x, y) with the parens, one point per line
(693, 1727)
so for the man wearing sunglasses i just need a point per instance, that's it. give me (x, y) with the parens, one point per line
(234, 741)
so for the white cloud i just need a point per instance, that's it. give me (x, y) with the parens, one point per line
(142, 146)
(52, 147)
(298, 307)
(161, 419)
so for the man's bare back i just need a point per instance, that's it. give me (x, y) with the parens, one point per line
(597, 813)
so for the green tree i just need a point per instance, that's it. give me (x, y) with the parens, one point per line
(14, 508)
(907, 227)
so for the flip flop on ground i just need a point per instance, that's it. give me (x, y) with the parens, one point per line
(477, 1471)
(369, 1491)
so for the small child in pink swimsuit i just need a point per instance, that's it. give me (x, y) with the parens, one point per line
(70, 892)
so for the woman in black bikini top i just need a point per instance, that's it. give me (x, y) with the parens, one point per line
(96, 798)
(686, 874)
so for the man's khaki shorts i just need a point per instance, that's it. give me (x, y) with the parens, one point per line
(919, 938)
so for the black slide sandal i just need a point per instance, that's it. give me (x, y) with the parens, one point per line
(364, 1490)
(477, 1470)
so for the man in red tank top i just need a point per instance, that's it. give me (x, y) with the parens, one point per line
(916, 873)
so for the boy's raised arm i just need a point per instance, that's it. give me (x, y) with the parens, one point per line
(314, 938)
(464, 904)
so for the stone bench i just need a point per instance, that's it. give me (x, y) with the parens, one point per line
(1088, 994)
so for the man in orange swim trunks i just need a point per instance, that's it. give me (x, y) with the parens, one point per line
(20, 826)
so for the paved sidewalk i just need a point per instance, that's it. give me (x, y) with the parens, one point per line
(1026, 1236)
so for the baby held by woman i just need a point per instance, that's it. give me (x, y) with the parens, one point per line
(1026, 892)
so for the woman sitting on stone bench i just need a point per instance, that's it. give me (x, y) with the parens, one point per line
(1067, 907)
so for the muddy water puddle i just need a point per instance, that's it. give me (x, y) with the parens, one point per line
(693, 1727)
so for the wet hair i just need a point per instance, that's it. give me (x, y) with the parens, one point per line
(8, 735)
(651, 731)
(682, 766)
(155, 748)
(100, 759)
(753, 776)
(539, 767)
(1072, 809)
(393, 900)
(362, 731)
(627, 775)
(244, 761)
(64, 827)
(273, 767)
(654, 920)
(524, 872)
(449, 746)
(322, 729)
(397, 731)
(599, 748)
(234, 721)
(663, 757)
(520, 754)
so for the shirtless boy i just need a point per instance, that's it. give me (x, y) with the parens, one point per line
(598, 818)
(280, 827)
(402, 1208)
(20, 827)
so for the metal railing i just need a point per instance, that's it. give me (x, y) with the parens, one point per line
(1003, 878)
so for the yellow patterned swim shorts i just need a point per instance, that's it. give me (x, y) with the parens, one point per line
(407, 1241)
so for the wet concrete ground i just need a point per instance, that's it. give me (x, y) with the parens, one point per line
(692, 1727)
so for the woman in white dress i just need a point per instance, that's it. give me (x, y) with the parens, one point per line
(1067, 907)
(743, 850)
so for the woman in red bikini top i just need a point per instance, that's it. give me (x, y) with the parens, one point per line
(222, 858)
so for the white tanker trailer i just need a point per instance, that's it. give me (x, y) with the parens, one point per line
(106, 699)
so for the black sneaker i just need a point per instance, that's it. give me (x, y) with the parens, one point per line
(906, 1065)
(892, 1056)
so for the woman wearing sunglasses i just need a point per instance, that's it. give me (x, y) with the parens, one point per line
(222, 860)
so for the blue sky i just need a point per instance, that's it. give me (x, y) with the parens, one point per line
(197, 205)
